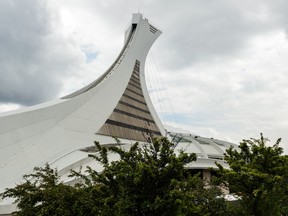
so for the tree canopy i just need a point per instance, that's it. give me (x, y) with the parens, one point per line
(153, 179)
(259, 175)
(149, 179)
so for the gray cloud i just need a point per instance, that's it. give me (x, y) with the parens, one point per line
(201, 31)
(223, 62)
(33, 58)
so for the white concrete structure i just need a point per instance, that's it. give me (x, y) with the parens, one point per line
(116, 104)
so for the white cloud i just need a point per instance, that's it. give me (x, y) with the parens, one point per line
(5, 107)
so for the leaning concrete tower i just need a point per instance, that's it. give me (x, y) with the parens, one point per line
(117, 104)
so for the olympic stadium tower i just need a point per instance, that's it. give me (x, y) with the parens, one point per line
(117, 104)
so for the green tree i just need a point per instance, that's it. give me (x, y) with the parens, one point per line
(43, 194)
(258, 174)
(148, 179)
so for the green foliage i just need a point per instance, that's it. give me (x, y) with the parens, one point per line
(149, 179)
(258, 173)
(43, 194)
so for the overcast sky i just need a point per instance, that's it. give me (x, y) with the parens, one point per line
(219, 69)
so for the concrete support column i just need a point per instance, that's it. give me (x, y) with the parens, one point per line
(206, 177)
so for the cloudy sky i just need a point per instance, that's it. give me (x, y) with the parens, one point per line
(219, 69)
